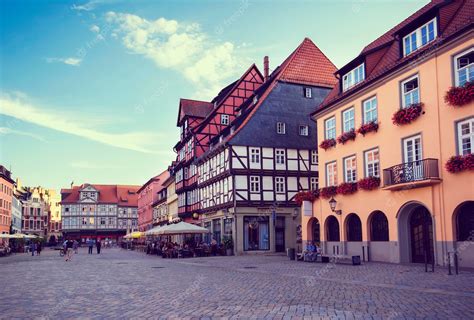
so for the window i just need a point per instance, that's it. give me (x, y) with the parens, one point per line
(464, 67)
(304, 130)
(350, 169)
(307, 92)
(280, 184)
(370, 110)
(353, 77)
(466, 136)
(224, 119)
(378, 227)
(348, 122)
(281, 128)
(330, 126)
(256, 233)
(410, 92)
(314, 183)
(254, 184)
(280, 156)
(331, 174)
(314, 156)
(372, 163)
(254, 155)
(420, 37)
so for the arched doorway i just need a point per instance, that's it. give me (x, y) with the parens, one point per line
(314, 230)
(415, 227)
(464, 221)
(332, 229)
(378, 226)
(353, 228)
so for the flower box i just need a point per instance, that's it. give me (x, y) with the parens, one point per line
(328, 143)
(306, 196)
(460, 163)
(408, 114)
(368, 127)
(328, 192)
(369, 183)
(346, 136)
(460, 96)
(347, 188)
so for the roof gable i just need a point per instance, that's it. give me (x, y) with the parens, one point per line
(193, 108)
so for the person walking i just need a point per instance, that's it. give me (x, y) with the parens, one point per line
(90, 244)
(69, 245)
(38, 248)
(32, 248)
(98, 244)
(75, 246)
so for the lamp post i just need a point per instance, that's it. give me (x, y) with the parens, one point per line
(332, 205)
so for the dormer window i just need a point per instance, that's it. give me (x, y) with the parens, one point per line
(353, 77)
(420, 37)
(224, 119)
(307, 92)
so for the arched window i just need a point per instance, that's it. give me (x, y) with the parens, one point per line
(465, 222)
(378, 227)
(315, 230)
(332, 229)
(354, 228)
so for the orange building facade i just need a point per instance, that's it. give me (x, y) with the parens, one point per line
(6, 197)
(387, 136)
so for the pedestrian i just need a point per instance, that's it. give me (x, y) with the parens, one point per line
(69, 245)
(38, 248)
(90, 244)
(75, 246)
(32, 248)
(98, 244)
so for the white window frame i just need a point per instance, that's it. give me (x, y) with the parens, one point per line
(280, 155)
(331, 175)
(304, 130)
(254, 184)
(281, 128)
(465, 136)
(307, 92)
(410, 93)
(314, 183)
(280, 185)
(369, 109)
(314, 156)
(331, 129)
(225, 119)
(468, 70)
(418, 38)
(348, 120)
(254, 155)
(350, 169)
(372, 167)
(353, 77)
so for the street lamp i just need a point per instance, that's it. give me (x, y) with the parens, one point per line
(332, 204)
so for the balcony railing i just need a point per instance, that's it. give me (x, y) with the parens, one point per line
(415, 174)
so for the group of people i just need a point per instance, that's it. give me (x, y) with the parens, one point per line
(190, 248)
(70, 246)
(35, 247)
(311, 252)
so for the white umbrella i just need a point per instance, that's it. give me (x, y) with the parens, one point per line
(153, 231)
(31, 236)
(181, 228)
(6, 236)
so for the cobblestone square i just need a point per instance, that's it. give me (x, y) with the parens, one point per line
(124, 284)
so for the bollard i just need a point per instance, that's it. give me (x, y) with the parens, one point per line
(456, 268)
(363, 253)
(368, 254)
(426, 262)
(449, 263)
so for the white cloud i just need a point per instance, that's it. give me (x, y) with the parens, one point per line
(6, 130)
(69, 61)
(88, 6)
(20, 108)
(183, 47)
(94, 28)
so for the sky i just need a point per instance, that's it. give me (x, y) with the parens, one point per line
(89, 90)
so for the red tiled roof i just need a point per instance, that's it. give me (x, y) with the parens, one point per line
(308, 65)
(382, 56)
(193, 108)
(123, 195)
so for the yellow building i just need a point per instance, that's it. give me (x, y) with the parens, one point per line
(172, 199)
(388, 120)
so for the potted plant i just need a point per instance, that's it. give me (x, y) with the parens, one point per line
(328, 143)
(460, 96)
(368, 127)
(408, 114)
(347, 188)
(369, 183)
(346, 136)
(455, 164)
(328, 192)
(228, 245)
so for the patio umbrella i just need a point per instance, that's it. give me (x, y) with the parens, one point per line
(153, 231)
(181, 228)
(6, 236)
(30, 236)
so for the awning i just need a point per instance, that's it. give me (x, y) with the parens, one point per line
(134, 235)
(181, 228)
(153, 231)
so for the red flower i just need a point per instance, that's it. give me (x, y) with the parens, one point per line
(407, 115)
(328, 192)
(460, 96)
(469, 161)
(346, 136)
(368, 127)
(328, 143)
(306, 196)
(369, 183)
(455, 164)
(347, 188)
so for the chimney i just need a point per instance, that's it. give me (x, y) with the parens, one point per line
(265, 68)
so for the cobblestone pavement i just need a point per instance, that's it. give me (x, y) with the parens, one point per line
(123, 284)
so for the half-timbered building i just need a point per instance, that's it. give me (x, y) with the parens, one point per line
(256, 165)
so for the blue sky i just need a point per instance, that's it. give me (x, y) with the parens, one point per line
(90, 89)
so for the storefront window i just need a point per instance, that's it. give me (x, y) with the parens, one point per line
(228, 227)
(216, 224)
(256, 233)
(207, 236)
